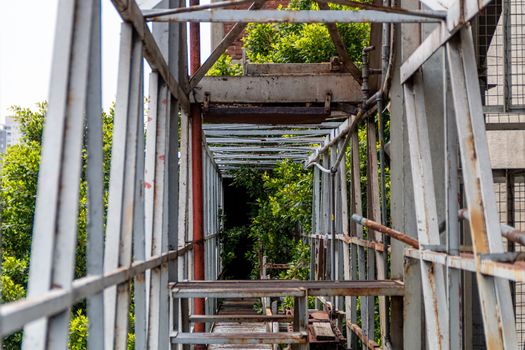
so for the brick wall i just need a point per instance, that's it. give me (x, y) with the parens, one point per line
(235, 50)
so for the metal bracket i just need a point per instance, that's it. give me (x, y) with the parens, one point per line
(206, 102)
(438, 248)
(328, 102)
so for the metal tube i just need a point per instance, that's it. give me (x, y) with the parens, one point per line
(159, 13)
(507, 231)
(197, 177)
(195, 45)
(299, 16)
(400, 236)
(332, 224)
(198, 222)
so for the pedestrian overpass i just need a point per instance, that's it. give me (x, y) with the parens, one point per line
(157, 245)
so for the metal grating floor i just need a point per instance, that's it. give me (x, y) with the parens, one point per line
(239, 307)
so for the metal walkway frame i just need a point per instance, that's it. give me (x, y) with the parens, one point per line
(154, 237)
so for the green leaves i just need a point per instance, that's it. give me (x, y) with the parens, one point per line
(225, 67)
(280, 211)
(302, 43)
(18, 189)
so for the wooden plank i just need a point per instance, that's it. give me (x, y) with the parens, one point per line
(323, 331)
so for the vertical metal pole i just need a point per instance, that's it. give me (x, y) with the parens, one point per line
(95, 182)
(331, 206)
(55, 224)
(372, 197)
(325, 209)
(357, 252)
(433, 282)
(452, 208)
(496, 306)
(197, 176)
(139, 243)
(120, 227)
(197, 192)
(315, 221)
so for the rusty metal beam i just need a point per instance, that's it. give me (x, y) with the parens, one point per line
(400, 236)
(266, 115)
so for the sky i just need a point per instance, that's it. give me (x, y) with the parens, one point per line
(26, 43)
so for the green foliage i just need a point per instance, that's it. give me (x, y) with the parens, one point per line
(300, 263)
(302, 43)
(78, 331)
(18, 181)
(18, 189)
(280, 211)
(31, 122)
(225, 67)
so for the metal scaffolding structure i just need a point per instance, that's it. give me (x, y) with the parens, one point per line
(415, 259)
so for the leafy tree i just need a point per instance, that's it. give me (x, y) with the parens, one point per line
(304, 42)
(18, 189)
(280, 211)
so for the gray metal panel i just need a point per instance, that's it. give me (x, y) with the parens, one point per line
(279, 89)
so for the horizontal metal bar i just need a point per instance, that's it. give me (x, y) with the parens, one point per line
(361, 242)
(261, 149)
(252, 156)
(301, 16)
(507, 231)
(264, 140)
(272, 89)
(239, 126)
(313, 288)
(308, 132)
(265, 115)
(246, 162)
(15, 315)
(253, 292)
(241, 318)
(157, 13)
(239, 338)
(466, 262)
(439, 14)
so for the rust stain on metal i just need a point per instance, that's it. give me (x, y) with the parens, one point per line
(478, 230)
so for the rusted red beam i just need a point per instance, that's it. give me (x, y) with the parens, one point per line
(195, 44)
(197, 178)
(198, 220)
(400, 236)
